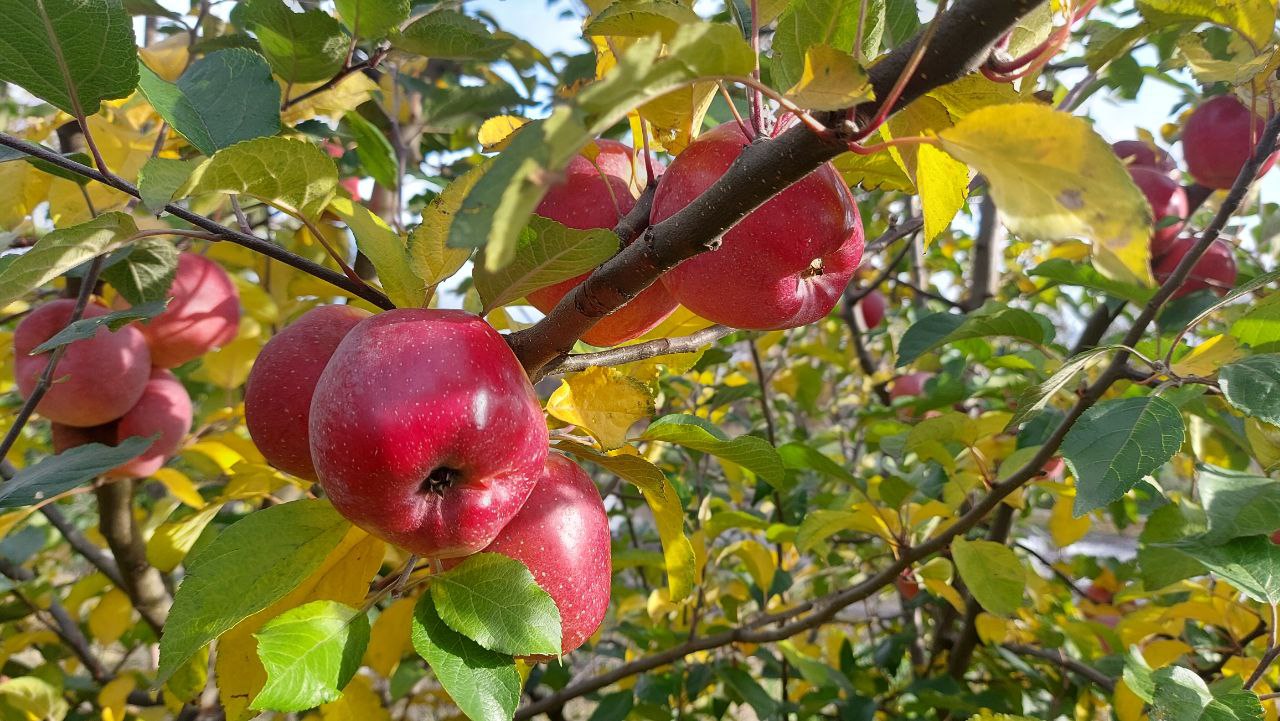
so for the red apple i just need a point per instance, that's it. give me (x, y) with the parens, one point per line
(97, 379)
(1216, 269)
(164, 409)
(785, 264)
(909, 385)
(1167, 199)
(277, 396)
(597, 195)
(352, 186)
(426, 432)
(1139, 154)
(562, 535)
(907, 584)
(203, 313)
(871, 309)
(1218, 138)
(1098, 594)
(1275, 537)
(1054, 468)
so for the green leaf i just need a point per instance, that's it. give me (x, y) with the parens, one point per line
(450, 35)
(484, 684)
(1137, 674)
(1159, 564)
(74, 54)
(224, 98)
(1036, 398)
(753, 454)
(144, 271)
(1251, 564)
(820, 524)
(386, 250)
(294, 175)
(993, 574)
(89, 327)
(310, 653)
(250, 566)
(372, 19)
(1084, 275)
(749, 690)
(62, 250)
(1255, 19)
(1116, 444)
(60, 172)
(160, 178)
(494, 601)
(803, 457)
(1259, 327)
(1238, 504)
(374, 150)
(641, 18)
(1178, 694)
(149, 7)
(306, 47)
(546, 253)
(994, 319)
(1253, 386)
(58, 474)
(431, 258)
(832, 79)
(806, 23)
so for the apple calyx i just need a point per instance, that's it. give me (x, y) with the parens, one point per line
(440, 480)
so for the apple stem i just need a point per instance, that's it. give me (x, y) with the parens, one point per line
(1007, 71)
(900, 85)
(757, 99)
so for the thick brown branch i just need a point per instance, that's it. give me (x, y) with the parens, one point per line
(142, 582)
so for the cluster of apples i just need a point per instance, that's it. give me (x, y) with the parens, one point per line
(1217, 140)
(116, 385)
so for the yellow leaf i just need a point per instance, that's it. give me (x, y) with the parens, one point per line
(111, 617)
(1264, 441)
(1064, 527)
(179, 486)
(832, 79)
(222, 455)
(682, 322)
(878, 171)
(759, 561)
(359, 702)
(604, 402)
(114, 696)
(34, 698)
(973, 92)
(1128, 705)
(676, 117)
(1255, 19)
(991, 629)
(1062, 182)
(432, 259)
(172, 541)
(169, 57)
(343, 576)
(944, 188)
(1206, 358)
(946, 591)
(353, 91)
(389, 638)
(228, 367)
(496, 132)
(124, 150)
(188, 681)
(22, 188)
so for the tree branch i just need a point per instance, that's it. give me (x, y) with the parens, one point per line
(1106, 683)
(988, 248)
(638, 351)
(63, 625)
(94, 555)
(142, 582)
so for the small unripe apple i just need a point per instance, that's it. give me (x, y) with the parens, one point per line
(562, 535)
(909, 385)
(97, 379)
(1219, 138)
(1139, 154)
(164, 409)
(277, 395)
(425, 431)
(203, 313)
(783, 265)
(1216, 270)
(597, 195)
(871, 309)
(1167, 200)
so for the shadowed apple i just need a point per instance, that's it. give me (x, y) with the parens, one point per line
(1218, 139)
(1216, 270)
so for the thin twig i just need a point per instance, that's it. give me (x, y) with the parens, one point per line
(639, 351)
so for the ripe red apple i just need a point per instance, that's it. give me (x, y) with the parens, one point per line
(426, 432)
(785, 264)
(907, 584)
(1216, 269)
(1139, 154)
(1275, 537)
(909, 385)
(1218, 138)
(597, 195)
(164, 409)
(871, 309)
(203, 313)
(97, 379)
(1098, 594)
(1054, 468)
(277, 396)
(1167, 199)
(562, 535)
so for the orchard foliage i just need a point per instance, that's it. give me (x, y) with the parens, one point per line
(1021, 464)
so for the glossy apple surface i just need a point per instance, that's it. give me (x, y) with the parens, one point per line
(204, 313)
(1167, 200)
(277, 396)
(164, 410)
(1138, 154)
(426, 432)
(1216, 270)
(1217, 140)
(597, 195)
(562, 535)
(785, 264)
(97, 380)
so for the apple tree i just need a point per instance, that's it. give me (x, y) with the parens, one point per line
(776, 359)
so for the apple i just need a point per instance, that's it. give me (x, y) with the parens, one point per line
(277, 395)
(1218, 138)
(1099, 595)
(426, 432)
(164, 409)
(1216, 269)
(1054, 468)
(562, 535)
(203, 313)
(783, 265)
(909, 385)
(1275, 537)
(871, 309)
(1167, 199)
(907, 584)
(1140, 154)
(97, 379)
(597, 195)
